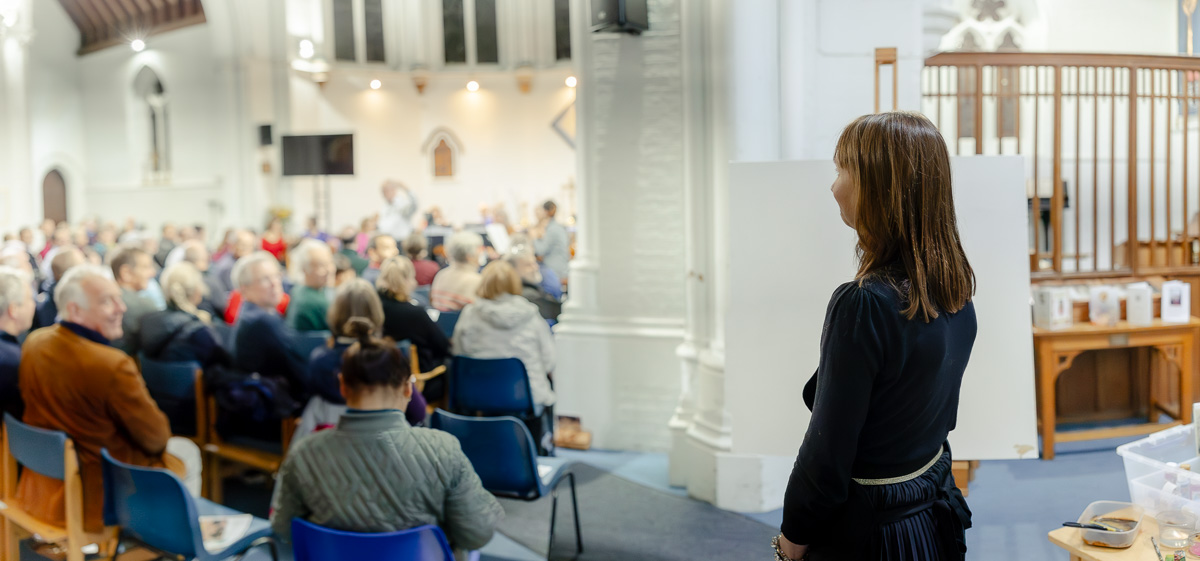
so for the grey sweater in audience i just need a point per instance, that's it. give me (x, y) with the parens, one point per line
(375, 473)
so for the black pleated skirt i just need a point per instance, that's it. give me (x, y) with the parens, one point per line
(923, 519)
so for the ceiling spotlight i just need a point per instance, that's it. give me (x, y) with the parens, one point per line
(472, 86)
(376, 84)
(571, 81)
(306, 48)
(137, 45)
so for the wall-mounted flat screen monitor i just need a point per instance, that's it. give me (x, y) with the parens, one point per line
(322, 154)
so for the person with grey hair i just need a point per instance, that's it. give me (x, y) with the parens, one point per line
(196, 253)
(527, 268)
(47, 309)
(16, 315)
(264, 344)
(312, 263)
(454, 287)
(73, 381)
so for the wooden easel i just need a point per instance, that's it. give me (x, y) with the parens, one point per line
(886, 56)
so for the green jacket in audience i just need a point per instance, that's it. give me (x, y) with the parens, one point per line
(357, 261)
(376, 473)
(307, 309)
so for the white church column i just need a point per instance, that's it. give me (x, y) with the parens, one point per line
(17, 184)
(624, 320)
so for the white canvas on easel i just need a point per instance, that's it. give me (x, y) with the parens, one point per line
(778, 297)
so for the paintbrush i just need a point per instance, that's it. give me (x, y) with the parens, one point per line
(1157, 551)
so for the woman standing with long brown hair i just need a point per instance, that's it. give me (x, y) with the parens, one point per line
(872, 479)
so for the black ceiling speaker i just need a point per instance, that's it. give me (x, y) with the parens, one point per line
(264, 135)
(620, 16)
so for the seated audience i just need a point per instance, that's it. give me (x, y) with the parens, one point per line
(263, 343)
(16, 315)
(73, 381)
(416, 247)
(381, 248)
(133, 269)
(455, 286)
(273, 242)
(311, 231)
(244, 244)
(313, 265)
(503, 324)
(355, 302)
(47, 310)
(182, 332)
(343, 270)
(215, 297)
(375, 473)
(405, 320)
(170, 239)
(527, 268)
(349, 239)
(235, 305)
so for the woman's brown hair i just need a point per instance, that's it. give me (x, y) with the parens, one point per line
(499, 278)
(355, 298)
(905, 218)
(371, 361)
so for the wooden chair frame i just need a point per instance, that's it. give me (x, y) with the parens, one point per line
(414, 365)
(216, 451)
(73, 534)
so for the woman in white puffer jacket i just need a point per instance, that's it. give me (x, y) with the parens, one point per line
(503, 324)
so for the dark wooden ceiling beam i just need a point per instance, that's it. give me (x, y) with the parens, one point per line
(105, 23)
(100, 27)
(160, 12)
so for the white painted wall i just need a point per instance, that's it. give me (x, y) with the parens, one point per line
(55, 109)
(510, 153)
(1105, 26)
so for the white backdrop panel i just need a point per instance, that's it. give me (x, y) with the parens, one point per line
(790, 251)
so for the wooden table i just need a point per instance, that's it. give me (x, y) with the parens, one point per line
(1055, 350)
(1141, 550)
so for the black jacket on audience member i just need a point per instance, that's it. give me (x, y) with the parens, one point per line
(264, 344)
(547, 305)
(403, 320)
(174, 335)
(47, 311)
(10, 360)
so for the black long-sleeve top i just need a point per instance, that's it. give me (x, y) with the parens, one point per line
(403, 320)
(264, 344)
(883, 400)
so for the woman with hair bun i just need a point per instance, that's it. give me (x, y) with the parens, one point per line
(354, 313)
(374, 472)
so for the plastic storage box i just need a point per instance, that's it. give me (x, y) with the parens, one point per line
(1116, 510)
(1153, 484)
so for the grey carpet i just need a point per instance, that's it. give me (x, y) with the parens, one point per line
(623, 520)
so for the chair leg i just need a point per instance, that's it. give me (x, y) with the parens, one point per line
(116, 549)
(12, 544)
(575, 506)
(553, 515)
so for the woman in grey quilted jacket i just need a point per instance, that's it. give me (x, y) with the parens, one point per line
(374, 472)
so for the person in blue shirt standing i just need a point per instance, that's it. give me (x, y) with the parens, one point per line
(16, 316)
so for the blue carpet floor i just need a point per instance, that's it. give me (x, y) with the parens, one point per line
(1015, 503)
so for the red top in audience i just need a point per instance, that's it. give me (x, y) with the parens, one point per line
(426, 270)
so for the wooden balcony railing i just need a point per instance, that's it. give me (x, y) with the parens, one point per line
(1111, 148)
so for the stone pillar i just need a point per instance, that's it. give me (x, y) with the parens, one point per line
(623, 322)
(17, 184)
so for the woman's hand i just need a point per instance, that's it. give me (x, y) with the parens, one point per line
(792, 550)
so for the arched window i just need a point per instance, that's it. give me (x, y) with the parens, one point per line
(54, 197)
(443, 160)
(152, 97)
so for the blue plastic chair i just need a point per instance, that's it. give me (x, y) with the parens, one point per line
(178, 389)
(446, 321)
(318, 543)
(489, 386)
(152, 507)
(51, 454)
(308, 341)
(421, 295)
(503, 454)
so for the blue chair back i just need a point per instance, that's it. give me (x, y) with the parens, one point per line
(501, 450)
(308, 341)
(173, 387)
(491, 386)
(40, 450)
(317, 543)
(152, 506)
(446, 321)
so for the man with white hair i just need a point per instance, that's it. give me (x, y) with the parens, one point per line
(16, 315)
(395, 219)
(526, 265)
(73, 381)
(263, 343)
(454, 287)
(244, 243)
(312, 262)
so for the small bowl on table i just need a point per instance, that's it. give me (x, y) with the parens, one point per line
(1106, 513)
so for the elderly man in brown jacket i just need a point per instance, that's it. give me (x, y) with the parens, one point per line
(73, 381)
